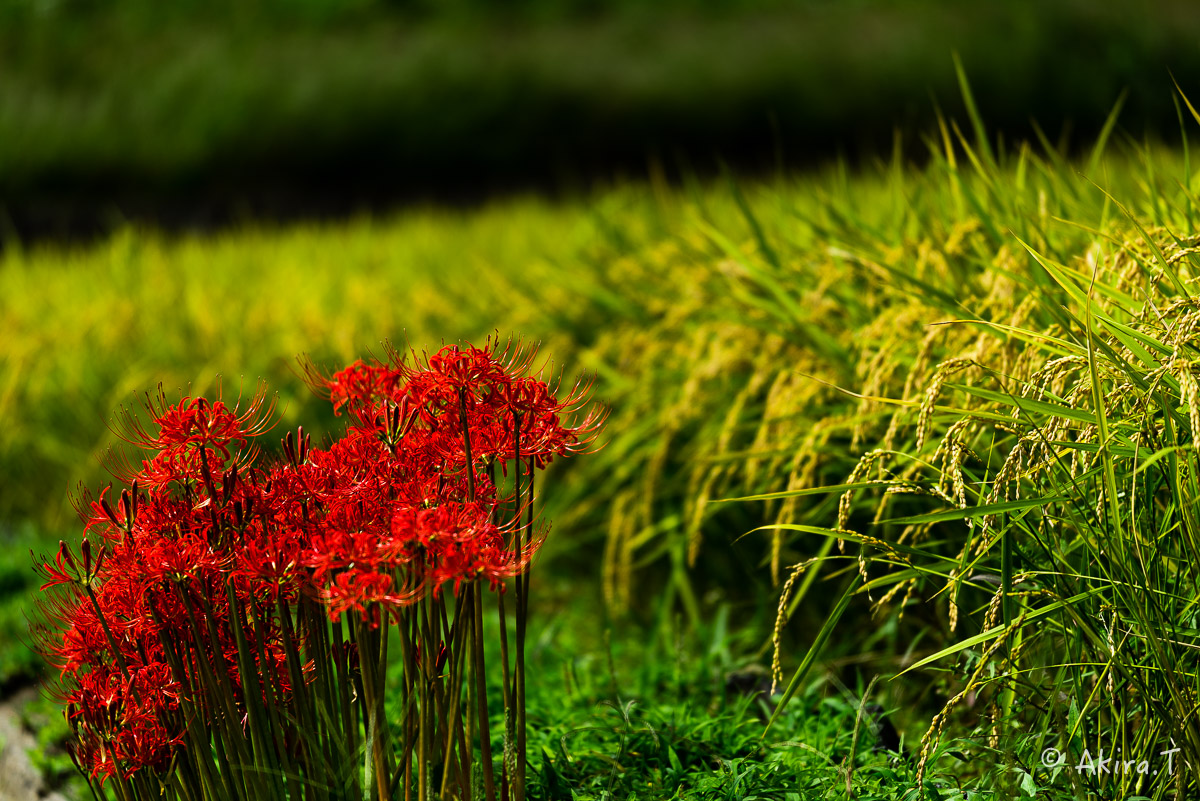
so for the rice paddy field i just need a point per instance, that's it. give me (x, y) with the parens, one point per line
(896, 496)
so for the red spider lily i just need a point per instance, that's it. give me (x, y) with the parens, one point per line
(198, 422)
(361, 590)
(64, 570)
(192, 439)
(457, 542)
(486, 381)
(267, 566)
(191, 595)
(358, 384)
(119, 722)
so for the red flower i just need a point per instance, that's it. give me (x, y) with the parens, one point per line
(399, 507)
(195, 439)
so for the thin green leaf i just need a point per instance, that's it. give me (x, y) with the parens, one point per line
(814, 651)
(995, 631)
(972, 512)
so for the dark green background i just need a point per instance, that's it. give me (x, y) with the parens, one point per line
(195, 113)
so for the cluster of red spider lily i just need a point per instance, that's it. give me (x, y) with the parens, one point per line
(182, 606)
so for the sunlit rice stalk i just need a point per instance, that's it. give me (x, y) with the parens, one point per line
(1070, 491)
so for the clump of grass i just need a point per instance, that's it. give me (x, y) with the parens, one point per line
(683, 718)
(1028, 494)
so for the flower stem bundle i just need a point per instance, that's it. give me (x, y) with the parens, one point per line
(313, 628)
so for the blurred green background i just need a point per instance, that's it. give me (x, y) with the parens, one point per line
(722, 210)
(192, 114)
(491, 131)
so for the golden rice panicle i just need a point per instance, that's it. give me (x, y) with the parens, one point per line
(1189, 391)
(699, 505)
(951, 452)
(952, 597)
(882, 346)
(929, 740)
(941, 375)
(785, 596)
(845, 503)
(617, 566)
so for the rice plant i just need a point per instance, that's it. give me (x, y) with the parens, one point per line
(1029, 493)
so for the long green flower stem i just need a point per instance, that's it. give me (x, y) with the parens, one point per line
(513, 685)
(407, 625)
(524, 539)
(370, 655)
(112, 643)
(454, 731)
(485, 736)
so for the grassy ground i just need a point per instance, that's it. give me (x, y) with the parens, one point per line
(613, 717)
(718, 318)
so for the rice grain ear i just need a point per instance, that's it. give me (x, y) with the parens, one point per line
(1189, 391)
(845, 503)
(941, 375)
(781, 615)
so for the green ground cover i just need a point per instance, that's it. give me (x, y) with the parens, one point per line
(613, 717)
(994, 302)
